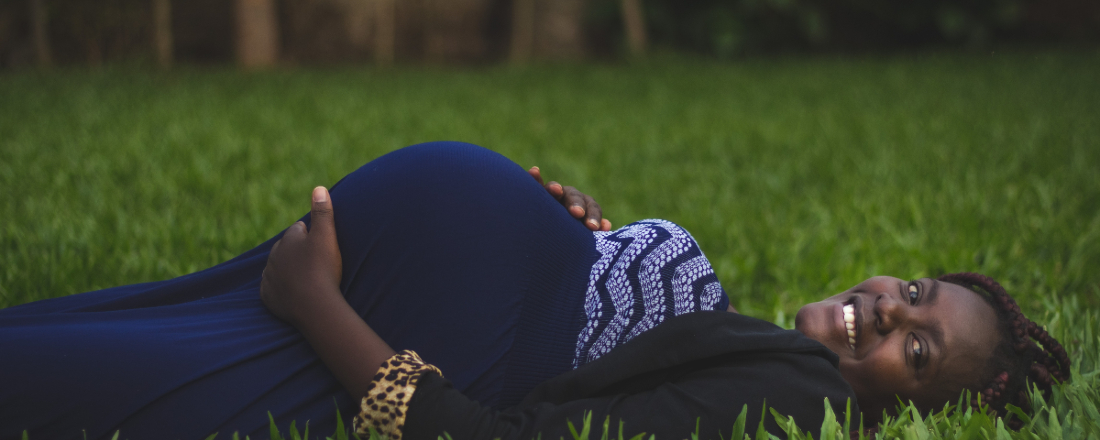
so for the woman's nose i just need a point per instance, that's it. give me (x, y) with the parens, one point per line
(890, 313)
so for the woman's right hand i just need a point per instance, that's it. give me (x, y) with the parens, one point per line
(302, 277)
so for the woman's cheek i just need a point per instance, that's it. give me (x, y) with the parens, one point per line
(874, 378)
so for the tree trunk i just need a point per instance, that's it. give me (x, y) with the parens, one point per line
(559, 33)
(634, 24)
(257, 33)
(162, 32)
(359, 21)
(41, 34)
(523, 31)
(455, 30)
(385, 26)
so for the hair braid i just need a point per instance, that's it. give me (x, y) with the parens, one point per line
(1018, 357)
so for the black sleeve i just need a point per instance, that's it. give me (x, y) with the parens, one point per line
(670, 409)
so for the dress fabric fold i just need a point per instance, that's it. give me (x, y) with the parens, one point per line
(491, 273)
(449, 249)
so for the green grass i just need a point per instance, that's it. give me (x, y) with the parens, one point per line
(799, 177)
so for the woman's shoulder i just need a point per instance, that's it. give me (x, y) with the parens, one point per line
(646, 272)
(700, 339)
(723, 360)
(652, 245)
(652, 226)
(655, 243)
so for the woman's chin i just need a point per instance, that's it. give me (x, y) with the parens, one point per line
(816, 322)
(804, 319)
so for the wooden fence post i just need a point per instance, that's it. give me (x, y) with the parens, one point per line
(41, 33)
(634, 24)
(162, 32)
(257, 33)
(523, 31)
(385, 37)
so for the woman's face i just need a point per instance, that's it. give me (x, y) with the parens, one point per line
(920, 340)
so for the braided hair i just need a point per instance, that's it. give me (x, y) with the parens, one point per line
(1026, 351)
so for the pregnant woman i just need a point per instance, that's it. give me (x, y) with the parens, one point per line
(455, 253)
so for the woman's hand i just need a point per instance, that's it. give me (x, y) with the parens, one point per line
(301, 285)
(302, 277)
(579, 205)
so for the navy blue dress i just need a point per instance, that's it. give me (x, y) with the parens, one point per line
(449, 249)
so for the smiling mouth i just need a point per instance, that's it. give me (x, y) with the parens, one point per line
(850, 323)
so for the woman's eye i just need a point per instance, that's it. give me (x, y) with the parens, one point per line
(917, 351)
(914, 293)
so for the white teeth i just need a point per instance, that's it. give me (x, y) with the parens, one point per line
(850, 324)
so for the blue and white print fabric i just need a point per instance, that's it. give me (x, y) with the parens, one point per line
(647, 271)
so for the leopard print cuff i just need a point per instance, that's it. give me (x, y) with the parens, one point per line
(387, 401)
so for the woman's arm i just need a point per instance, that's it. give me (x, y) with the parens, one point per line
(301, 285)
(704, 397)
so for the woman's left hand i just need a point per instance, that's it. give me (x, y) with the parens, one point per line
(579, 205)
(302, 277)
(301, 285)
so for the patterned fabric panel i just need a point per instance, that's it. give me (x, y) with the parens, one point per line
(647, 271)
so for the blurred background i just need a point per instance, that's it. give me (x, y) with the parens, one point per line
(165, 136)
(806, 144)
(262, 33)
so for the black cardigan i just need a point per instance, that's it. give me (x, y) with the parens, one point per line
(702, 365)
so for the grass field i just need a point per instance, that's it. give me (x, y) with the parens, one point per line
(799, 177)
